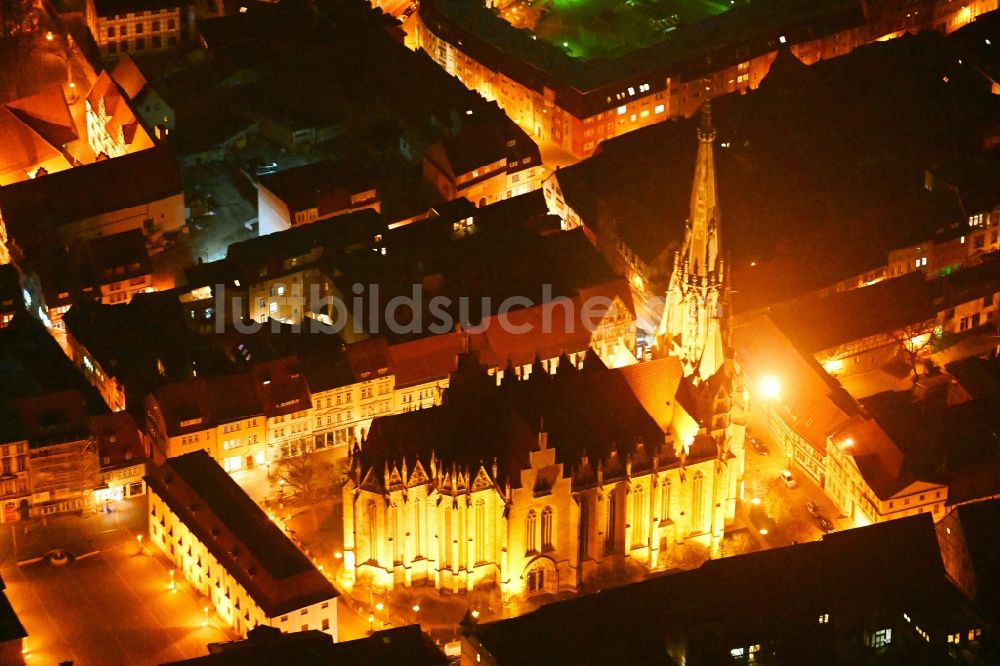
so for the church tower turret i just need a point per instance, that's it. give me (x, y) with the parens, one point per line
(692, 323)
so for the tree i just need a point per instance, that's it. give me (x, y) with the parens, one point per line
(304, 475)
(914, 341)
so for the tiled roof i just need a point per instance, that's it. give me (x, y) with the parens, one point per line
(655, 384)
(118, 440)
(24, 148)
(426, 359)
(128, 75)
(825, 322)
(253, 550)
(47, 113)
(587, 413)
(126, 250)
(272, 387)
(820, 405)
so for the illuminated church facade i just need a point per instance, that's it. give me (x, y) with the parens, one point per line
(535, 483)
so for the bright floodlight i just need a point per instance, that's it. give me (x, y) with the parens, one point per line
(770, 387)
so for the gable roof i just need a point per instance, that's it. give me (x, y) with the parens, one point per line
(230, 524)
(23, 147)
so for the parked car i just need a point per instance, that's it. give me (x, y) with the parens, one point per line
(814, 509)
(267, 169)
(787, 477)
(758, 446)
(824, 524)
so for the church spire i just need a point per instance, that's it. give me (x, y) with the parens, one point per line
(692, 323)
(703, 224)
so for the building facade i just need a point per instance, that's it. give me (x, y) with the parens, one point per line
(539, 92)
(227, 549)
(547, 512)
(136, 27)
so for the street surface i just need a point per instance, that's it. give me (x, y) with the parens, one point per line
(110, 606)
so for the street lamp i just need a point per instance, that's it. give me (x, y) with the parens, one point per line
(138, 538)
(172, 587)
(371, 623)
(770, 389)
(204, 621)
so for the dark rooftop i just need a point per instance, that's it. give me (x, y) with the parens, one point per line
(265, 646)
(239, 534)
(40, 206)
(851, 186)
(586, 413)
(702, 614)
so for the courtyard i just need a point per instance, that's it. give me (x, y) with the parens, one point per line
(591, 29)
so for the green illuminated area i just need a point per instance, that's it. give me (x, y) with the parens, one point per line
(608, 28)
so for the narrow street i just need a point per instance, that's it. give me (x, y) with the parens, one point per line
(785, 506)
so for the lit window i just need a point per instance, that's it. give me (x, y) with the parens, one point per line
(659, 108)
(824, 618)
(631, 90)
(621, 110)
(880, 638)
(274, 307)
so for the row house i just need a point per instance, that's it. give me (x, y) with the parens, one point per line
(348, 394)
(222, 416)
(485, 163)
(551, 102)
(228, 550)
(50, 457)
(823, 432)
(120, 266)
(866, 496)
(122, 455)
(964, 244)
(860, 330)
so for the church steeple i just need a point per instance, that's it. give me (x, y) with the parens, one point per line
(703, 224)
(692, 324)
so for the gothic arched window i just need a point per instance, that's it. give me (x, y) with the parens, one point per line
(530, 527)
(547, 528)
